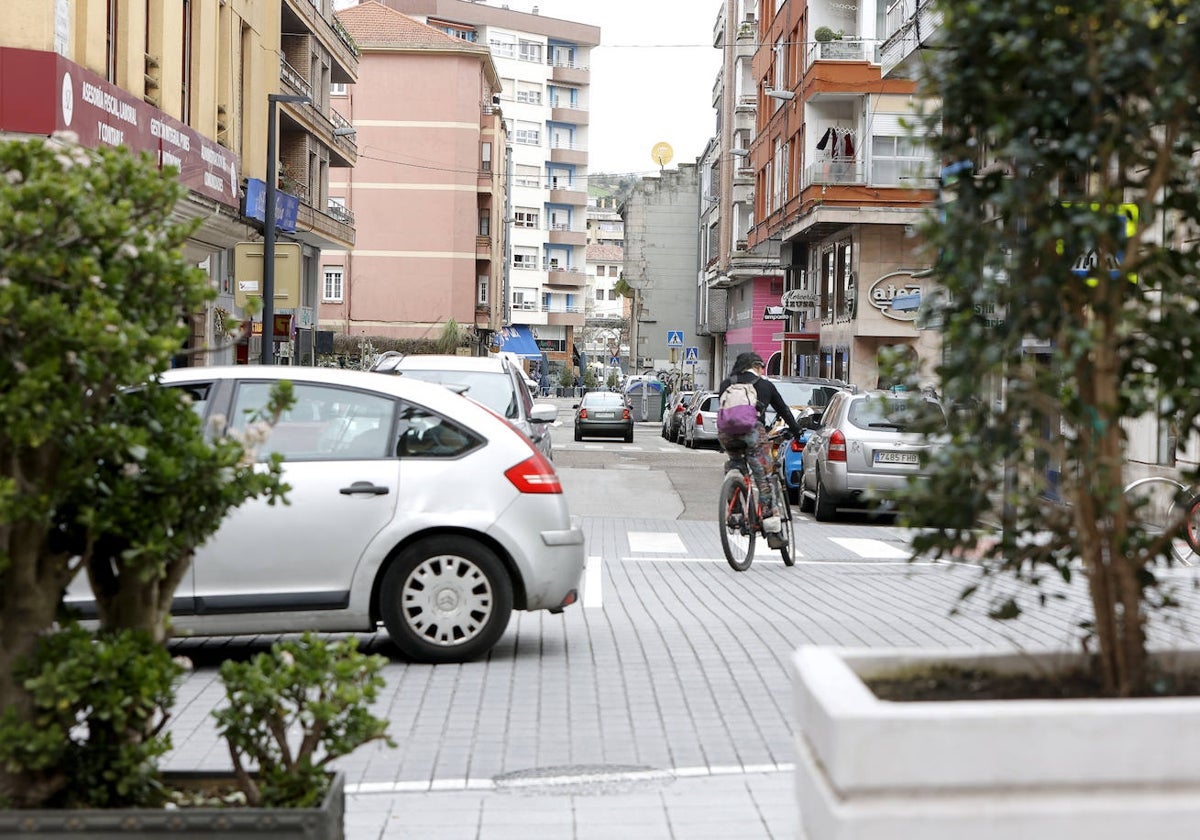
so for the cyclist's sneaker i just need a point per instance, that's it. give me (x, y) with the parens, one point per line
(772, 525)
(776, 541)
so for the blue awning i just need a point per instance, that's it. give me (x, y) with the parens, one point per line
(519, 339)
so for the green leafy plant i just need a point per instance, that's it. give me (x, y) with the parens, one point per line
(99, 706)
(566, 378)
(1065, 218)
(613, 380)
(824, 34)
(293, 711)
(105, 473)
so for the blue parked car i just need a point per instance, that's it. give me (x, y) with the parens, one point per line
(807, 396)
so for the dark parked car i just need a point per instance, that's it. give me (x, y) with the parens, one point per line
(603, 414)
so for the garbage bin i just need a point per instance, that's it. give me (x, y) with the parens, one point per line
(645, 396)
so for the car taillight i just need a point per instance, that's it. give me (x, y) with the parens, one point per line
(679, 409)
(625, 414)
(534, 475)
(837, 446)
(797, 445)
(583, 414)
(699, 419)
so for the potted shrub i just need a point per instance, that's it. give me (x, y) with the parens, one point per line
(824, 34)
(98, 478)
(1067, 312)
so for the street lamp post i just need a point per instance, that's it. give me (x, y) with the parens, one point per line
(268, 330)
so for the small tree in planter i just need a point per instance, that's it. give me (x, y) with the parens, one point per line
(103, 472)
(1065, 215)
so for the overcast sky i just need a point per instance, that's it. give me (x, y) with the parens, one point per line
(651, 77)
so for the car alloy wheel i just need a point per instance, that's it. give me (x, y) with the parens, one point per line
(446, 599)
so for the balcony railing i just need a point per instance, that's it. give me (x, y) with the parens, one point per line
(836, 171)
(339, 212)
(293, 78)
(845, 49)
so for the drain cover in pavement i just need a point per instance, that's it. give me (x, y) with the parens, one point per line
(582, 780)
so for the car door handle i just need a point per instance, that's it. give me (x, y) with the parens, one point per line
(364, 487)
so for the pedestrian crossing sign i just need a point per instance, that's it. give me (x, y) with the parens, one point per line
(674, 338)
(691, 354)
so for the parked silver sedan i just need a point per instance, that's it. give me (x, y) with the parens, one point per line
(865, 447)
(410, 506)
(700, 426)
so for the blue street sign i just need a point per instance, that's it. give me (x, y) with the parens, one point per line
(691, 354)
(674, 338)
(614, 361)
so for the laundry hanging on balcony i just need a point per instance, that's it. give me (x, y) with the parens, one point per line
(837, 142)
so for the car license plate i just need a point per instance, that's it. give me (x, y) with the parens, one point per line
(604, 415)
(882, 457)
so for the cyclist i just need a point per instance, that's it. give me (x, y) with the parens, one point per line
(749, 367)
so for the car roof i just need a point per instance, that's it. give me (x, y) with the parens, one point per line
(448, 362)
(810, 380)
(434, 396)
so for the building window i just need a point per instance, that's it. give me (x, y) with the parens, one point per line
(599, 294)
(503, 47)
(527, 176)
(530, 94)
(481, 289)
(485, 157)
(525, 217)
(530, 51)
(612, 294)
(337, 89)
(485, 222)
(463, 33)
(527, 134)
(525, 259)
(110, 42)
(332, 290)
(185, 102)
(898, 161)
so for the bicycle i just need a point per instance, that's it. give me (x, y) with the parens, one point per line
(740, 513)
(1156, 503)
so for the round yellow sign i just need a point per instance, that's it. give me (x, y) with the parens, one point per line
(662, 153)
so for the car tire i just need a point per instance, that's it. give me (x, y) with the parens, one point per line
(629, 437)
(689, 441)
(806, 502)
(823, 507)
(474, 596)
(578, 435)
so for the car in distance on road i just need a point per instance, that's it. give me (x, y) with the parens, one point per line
(865, 446)
(700, 426)
(806, 396)
(674, 414)
(603, 414)
(494, 381)
(410, 506)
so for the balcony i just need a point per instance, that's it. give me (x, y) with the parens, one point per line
(836, 172)
(332, 130)
(566, 277)
(563, 235)
(569, 72)
(303, 17)
(568, 153)
(565, 318)
(843, 49)
(483, 247)
(325, 226)
(560, 194)
(567, 114)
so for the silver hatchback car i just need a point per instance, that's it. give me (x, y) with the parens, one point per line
(865, 447)
(410, 506)
(494, 381)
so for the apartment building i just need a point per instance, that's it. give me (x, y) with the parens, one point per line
(189, 82)
(429, 198)
(543, 64)
(838, 185)
(738, 287)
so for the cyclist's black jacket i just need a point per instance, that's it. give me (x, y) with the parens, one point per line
(768, 395)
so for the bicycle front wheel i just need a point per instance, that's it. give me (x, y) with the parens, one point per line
(784, 509)
(736, 520)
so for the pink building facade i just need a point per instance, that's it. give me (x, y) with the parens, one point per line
(427, 193)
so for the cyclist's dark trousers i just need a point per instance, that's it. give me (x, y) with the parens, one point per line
(754, 445)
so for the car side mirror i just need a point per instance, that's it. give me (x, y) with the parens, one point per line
(543, 412)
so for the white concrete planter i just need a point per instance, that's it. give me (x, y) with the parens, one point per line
(869, 769)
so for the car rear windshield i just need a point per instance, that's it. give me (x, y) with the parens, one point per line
(805, 393)
(493, 389)
(896, 413)
(602, 398)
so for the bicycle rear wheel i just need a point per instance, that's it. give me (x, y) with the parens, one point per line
(784, 510)
(736, 521)
(1155, 505)
(1191, 528)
